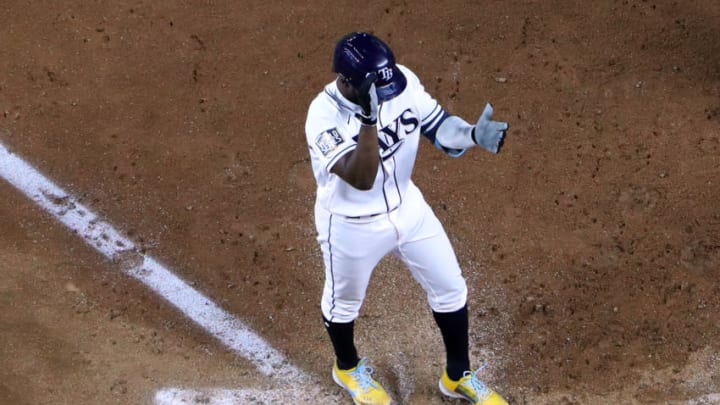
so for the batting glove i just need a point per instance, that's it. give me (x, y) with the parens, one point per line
(368, 99)
(489, 134)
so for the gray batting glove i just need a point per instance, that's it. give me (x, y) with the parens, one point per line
(489, 134)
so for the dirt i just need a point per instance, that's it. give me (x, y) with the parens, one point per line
(591, 244)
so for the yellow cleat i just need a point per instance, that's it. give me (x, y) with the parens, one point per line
(359, 383)
(470, 388)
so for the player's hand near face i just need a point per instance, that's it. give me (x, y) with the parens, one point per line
(367, 99)
(489, 134)
(359, 167)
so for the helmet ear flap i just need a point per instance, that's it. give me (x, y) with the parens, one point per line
(344, 79)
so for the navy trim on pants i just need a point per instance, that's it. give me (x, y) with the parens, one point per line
(332, 275)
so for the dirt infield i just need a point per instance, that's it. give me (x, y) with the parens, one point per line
(591, 244)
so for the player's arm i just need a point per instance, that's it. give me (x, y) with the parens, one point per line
(454, 135)
(432, 121)
(359, 167)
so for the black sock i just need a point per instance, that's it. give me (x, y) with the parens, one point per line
(343, 341)
(454, 329)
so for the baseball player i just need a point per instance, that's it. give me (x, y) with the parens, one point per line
(363, 131)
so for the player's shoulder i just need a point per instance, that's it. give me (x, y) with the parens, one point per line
(409, 74)
(322, 103)
(323, 112)
(413, 81)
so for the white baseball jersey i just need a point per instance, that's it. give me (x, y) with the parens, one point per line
(331, 130)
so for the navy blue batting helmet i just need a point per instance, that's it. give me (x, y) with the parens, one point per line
(360, 53)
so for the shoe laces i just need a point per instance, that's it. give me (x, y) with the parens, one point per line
(482, 390)
(363, 375)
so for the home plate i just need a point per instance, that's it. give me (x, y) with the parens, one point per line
(174, 396)
(706, 400)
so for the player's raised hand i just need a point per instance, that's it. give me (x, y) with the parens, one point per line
(489, 134)
(367, 98)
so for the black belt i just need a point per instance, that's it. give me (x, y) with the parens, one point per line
(365, 216)
(370, 215)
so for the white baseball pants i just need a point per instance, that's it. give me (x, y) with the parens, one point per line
(352, 248)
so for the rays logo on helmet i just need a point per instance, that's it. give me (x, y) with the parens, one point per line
(385, 73)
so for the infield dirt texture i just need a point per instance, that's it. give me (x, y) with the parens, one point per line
(591, 243)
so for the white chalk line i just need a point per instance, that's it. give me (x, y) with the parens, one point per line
(102, 236)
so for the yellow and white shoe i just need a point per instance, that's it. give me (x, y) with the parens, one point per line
(359, 383)
(470, 388)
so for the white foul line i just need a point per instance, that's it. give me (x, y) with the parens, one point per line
(105, 239)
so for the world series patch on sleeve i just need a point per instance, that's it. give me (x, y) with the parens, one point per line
(328, 141)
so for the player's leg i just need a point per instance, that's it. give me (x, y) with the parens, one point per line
(433, 264)
(346, 281)
(351, 250)
(428, 253)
